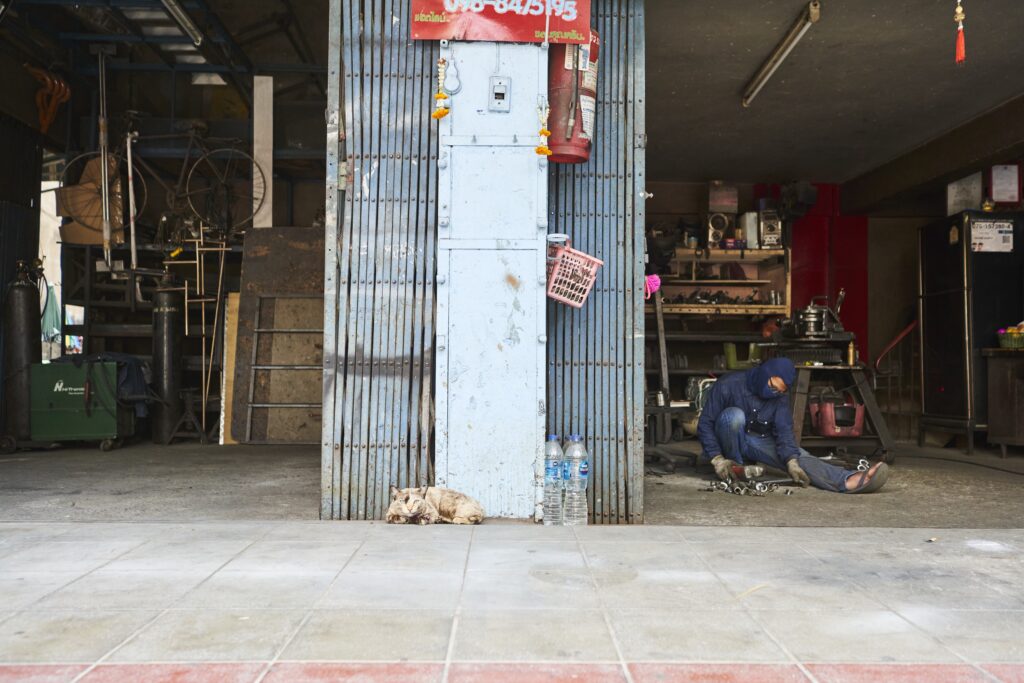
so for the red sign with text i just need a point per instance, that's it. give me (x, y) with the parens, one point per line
(506, 21)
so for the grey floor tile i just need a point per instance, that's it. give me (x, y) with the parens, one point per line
(211, 635)
(324, 532)
(396, 554)
(629, 533)
(530, 589)
(109, 590)
(533, 635)
(360, 589)
(663, 589)
(294, 557)
(692, 635)
(230, 590)
(612, 555)
(539, 555)
(981, 636)
(811, 593)
(373, 635)
(216, 531)
(42, 637)
(434, 533)
(20, 589)
(19, 532)
(72, 556)
(522, 531)
(179, 555)
(137, 532)
(853, 636)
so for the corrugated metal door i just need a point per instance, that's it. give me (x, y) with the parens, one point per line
(379, 288)
(595, 355)
(380, 291)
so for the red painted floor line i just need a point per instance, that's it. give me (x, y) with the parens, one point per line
(535, 673)
(896, 673)
(716, 673)
(40, 673)
(245, 672)
(316, 672)
(1008, 673)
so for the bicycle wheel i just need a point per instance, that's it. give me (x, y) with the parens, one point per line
(80, 197)
(225, 189)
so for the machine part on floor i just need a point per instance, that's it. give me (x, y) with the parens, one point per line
(79, 403)
(22, 347)
(757, 489)
(168, 341)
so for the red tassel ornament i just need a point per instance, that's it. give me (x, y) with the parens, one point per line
(961, 42)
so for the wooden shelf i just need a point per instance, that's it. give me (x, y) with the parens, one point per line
(724, 309)
(726, 255)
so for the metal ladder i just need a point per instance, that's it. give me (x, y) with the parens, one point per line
(255, 368)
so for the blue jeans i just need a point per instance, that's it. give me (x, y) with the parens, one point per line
(739, 446)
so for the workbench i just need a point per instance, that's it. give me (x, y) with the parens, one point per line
(1005, 397)
(876, 433)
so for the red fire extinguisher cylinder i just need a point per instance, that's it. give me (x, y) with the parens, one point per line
(572, 96)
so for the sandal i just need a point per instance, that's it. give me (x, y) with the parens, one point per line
(869, 483)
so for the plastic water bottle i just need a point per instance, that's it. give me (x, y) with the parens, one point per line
(553, 459)
(575, 474)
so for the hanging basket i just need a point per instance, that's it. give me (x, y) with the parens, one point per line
(571, 273)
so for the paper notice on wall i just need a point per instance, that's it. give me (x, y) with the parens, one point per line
(590, 77)
(992, 236)
(1006, 184)
(588, 107)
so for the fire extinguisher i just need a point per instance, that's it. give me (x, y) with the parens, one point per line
(572, 96)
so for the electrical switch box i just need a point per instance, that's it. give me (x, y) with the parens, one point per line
(500, 94)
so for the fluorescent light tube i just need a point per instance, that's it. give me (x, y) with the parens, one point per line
(809, 17)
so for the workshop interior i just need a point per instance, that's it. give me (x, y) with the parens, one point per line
(331, 247)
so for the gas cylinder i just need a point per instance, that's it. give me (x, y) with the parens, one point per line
(23, 348)
(572, 96)
(168, 340)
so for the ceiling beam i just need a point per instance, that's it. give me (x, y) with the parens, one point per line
(994, 137)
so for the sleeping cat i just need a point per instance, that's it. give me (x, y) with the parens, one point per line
(432, 505)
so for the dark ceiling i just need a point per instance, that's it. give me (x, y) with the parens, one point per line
(871, 81)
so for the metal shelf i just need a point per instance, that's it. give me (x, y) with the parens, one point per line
(726, 255)
(724, 309)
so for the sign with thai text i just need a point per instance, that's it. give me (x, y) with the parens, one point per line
(506, 21)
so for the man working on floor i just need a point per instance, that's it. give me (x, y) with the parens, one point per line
(748, 419)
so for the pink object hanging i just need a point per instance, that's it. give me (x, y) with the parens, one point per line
(652, 284)
(571, 273)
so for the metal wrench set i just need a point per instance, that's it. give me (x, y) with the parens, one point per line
(761, 488)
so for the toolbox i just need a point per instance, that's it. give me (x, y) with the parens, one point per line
(79, 403)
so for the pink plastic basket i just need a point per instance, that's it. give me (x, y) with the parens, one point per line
(571, 273)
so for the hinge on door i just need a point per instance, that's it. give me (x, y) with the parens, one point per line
(641, 141)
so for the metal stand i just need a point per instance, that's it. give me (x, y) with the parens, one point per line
(876, 433)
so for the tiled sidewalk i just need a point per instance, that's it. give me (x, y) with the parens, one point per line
(368, 602)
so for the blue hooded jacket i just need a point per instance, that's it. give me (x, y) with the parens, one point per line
(749, 391)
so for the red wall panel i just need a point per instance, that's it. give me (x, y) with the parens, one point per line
(849, 271)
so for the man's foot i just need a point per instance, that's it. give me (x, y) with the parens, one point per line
(870, 481)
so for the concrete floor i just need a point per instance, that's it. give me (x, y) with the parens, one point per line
(308, 601)
(928, 487)
(184, 482)
(180, 565)
(190, 483)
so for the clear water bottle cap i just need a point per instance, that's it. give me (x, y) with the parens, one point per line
(552, 437)
(575, 437)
